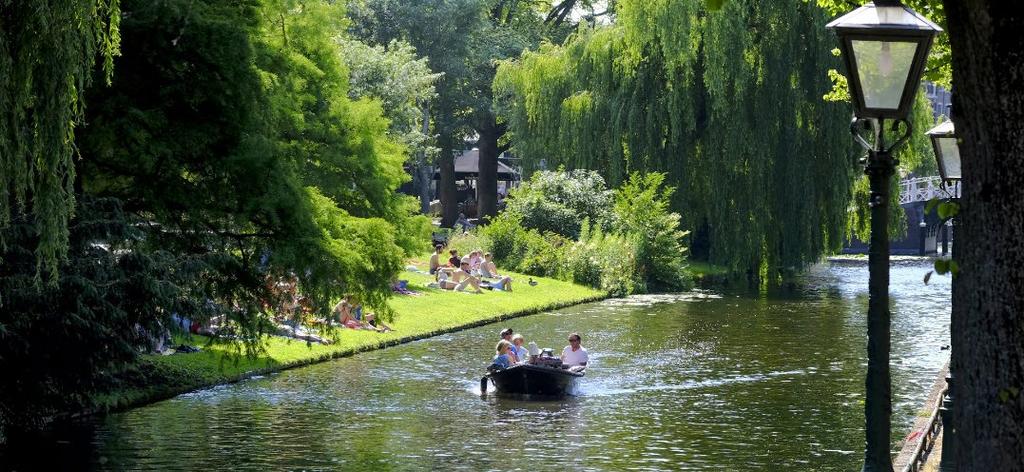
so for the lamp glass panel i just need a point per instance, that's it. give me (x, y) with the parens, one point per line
(950, 155)
(883, 68)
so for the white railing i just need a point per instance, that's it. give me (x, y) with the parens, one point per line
(922, 189)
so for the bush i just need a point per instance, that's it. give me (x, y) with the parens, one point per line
(605, 261)
(503, 235)
(467, 242)
(635, 247)
(558, 202)
(523, 250)
(642, 214)
(541, 254)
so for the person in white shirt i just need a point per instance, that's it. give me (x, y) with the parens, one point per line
(517, 345)
(574, 355)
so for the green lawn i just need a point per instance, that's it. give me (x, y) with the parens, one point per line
(433, 312)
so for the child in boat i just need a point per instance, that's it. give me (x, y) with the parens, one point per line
(502, 360)
(522, 355)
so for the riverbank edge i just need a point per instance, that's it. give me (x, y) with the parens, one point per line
(156, 393)
(913, 441)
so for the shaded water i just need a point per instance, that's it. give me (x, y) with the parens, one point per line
(703, 381)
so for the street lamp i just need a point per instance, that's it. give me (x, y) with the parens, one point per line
(947, 153)
(885, 46)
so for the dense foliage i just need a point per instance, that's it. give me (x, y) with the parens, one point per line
(48, 50)
(626, 241)
(559, 202)
(62, 343)
(228, 155)
(727, 105)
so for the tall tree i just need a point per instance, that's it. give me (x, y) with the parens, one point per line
(404, 84)
(48, 50)
(251, 151)
(980, 57)
(441, 32)
(464, 39)
(729, 106)
(988, 291)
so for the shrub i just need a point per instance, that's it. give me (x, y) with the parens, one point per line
(558, 202)
(642, 214)
(605, 261)
(467, 242)
(634, 248)
(541, 254)
(503, 235)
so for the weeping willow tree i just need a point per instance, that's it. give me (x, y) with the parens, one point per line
(48, 49)
(729, 105)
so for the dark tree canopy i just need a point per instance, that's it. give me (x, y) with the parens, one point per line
(48, 50)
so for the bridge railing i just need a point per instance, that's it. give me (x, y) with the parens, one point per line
(922, 189)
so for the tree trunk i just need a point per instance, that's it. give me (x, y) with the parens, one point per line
(988, 293)
(449, 201)
(487, 183)
(425, 169)
(426, 178)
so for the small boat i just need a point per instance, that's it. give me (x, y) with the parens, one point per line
(527, 379)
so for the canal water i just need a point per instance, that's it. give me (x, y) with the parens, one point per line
(700, 381)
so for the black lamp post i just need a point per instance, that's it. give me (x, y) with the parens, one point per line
(885, 46)
(947, 153)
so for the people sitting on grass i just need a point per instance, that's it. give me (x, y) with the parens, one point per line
(377, 325)
(475, 259)
(344, 313)
(442, 279)
(464, 280)
(454, 260)
(464, 222)
(435, 259)
(489, 270)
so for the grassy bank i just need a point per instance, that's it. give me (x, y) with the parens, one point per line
(433, 312)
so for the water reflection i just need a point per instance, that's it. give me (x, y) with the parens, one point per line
(700, 381)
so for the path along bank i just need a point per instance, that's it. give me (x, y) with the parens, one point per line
(430, 313)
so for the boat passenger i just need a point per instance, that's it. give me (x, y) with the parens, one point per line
(522, 355)
(502, 359)
(506, 335)
(574, 356)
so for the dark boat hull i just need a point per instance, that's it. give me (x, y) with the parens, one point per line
(534, 380)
